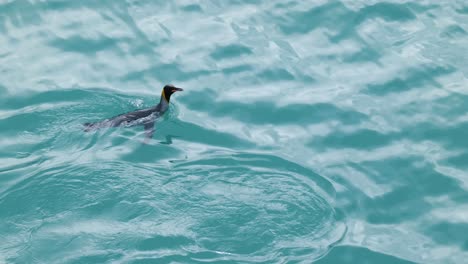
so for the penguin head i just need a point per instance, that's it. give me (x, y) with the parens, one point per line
(168, 90)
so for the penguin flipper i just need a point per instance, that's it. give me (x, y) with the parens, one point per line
(149, 130)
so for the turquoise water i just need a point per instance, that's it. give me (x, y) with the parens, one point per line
(327, 131)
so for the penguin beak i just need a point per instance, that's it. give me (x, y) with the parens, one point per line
(177, 89)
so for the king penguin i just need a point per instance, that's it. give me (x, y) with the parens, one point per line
(145, 117)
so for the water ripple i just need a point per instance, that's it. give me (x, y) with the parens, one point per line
(240, 207)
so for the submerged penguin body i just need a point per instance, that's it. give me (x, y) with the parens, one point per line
(145, 117)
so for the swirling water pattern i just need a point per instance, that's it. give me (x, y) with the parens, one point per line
(327, 131)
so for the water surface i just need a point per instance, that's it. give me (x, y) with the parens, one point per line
(327, 131)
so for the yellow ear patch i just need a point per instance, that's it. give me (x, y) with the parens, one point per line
(163, 94)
